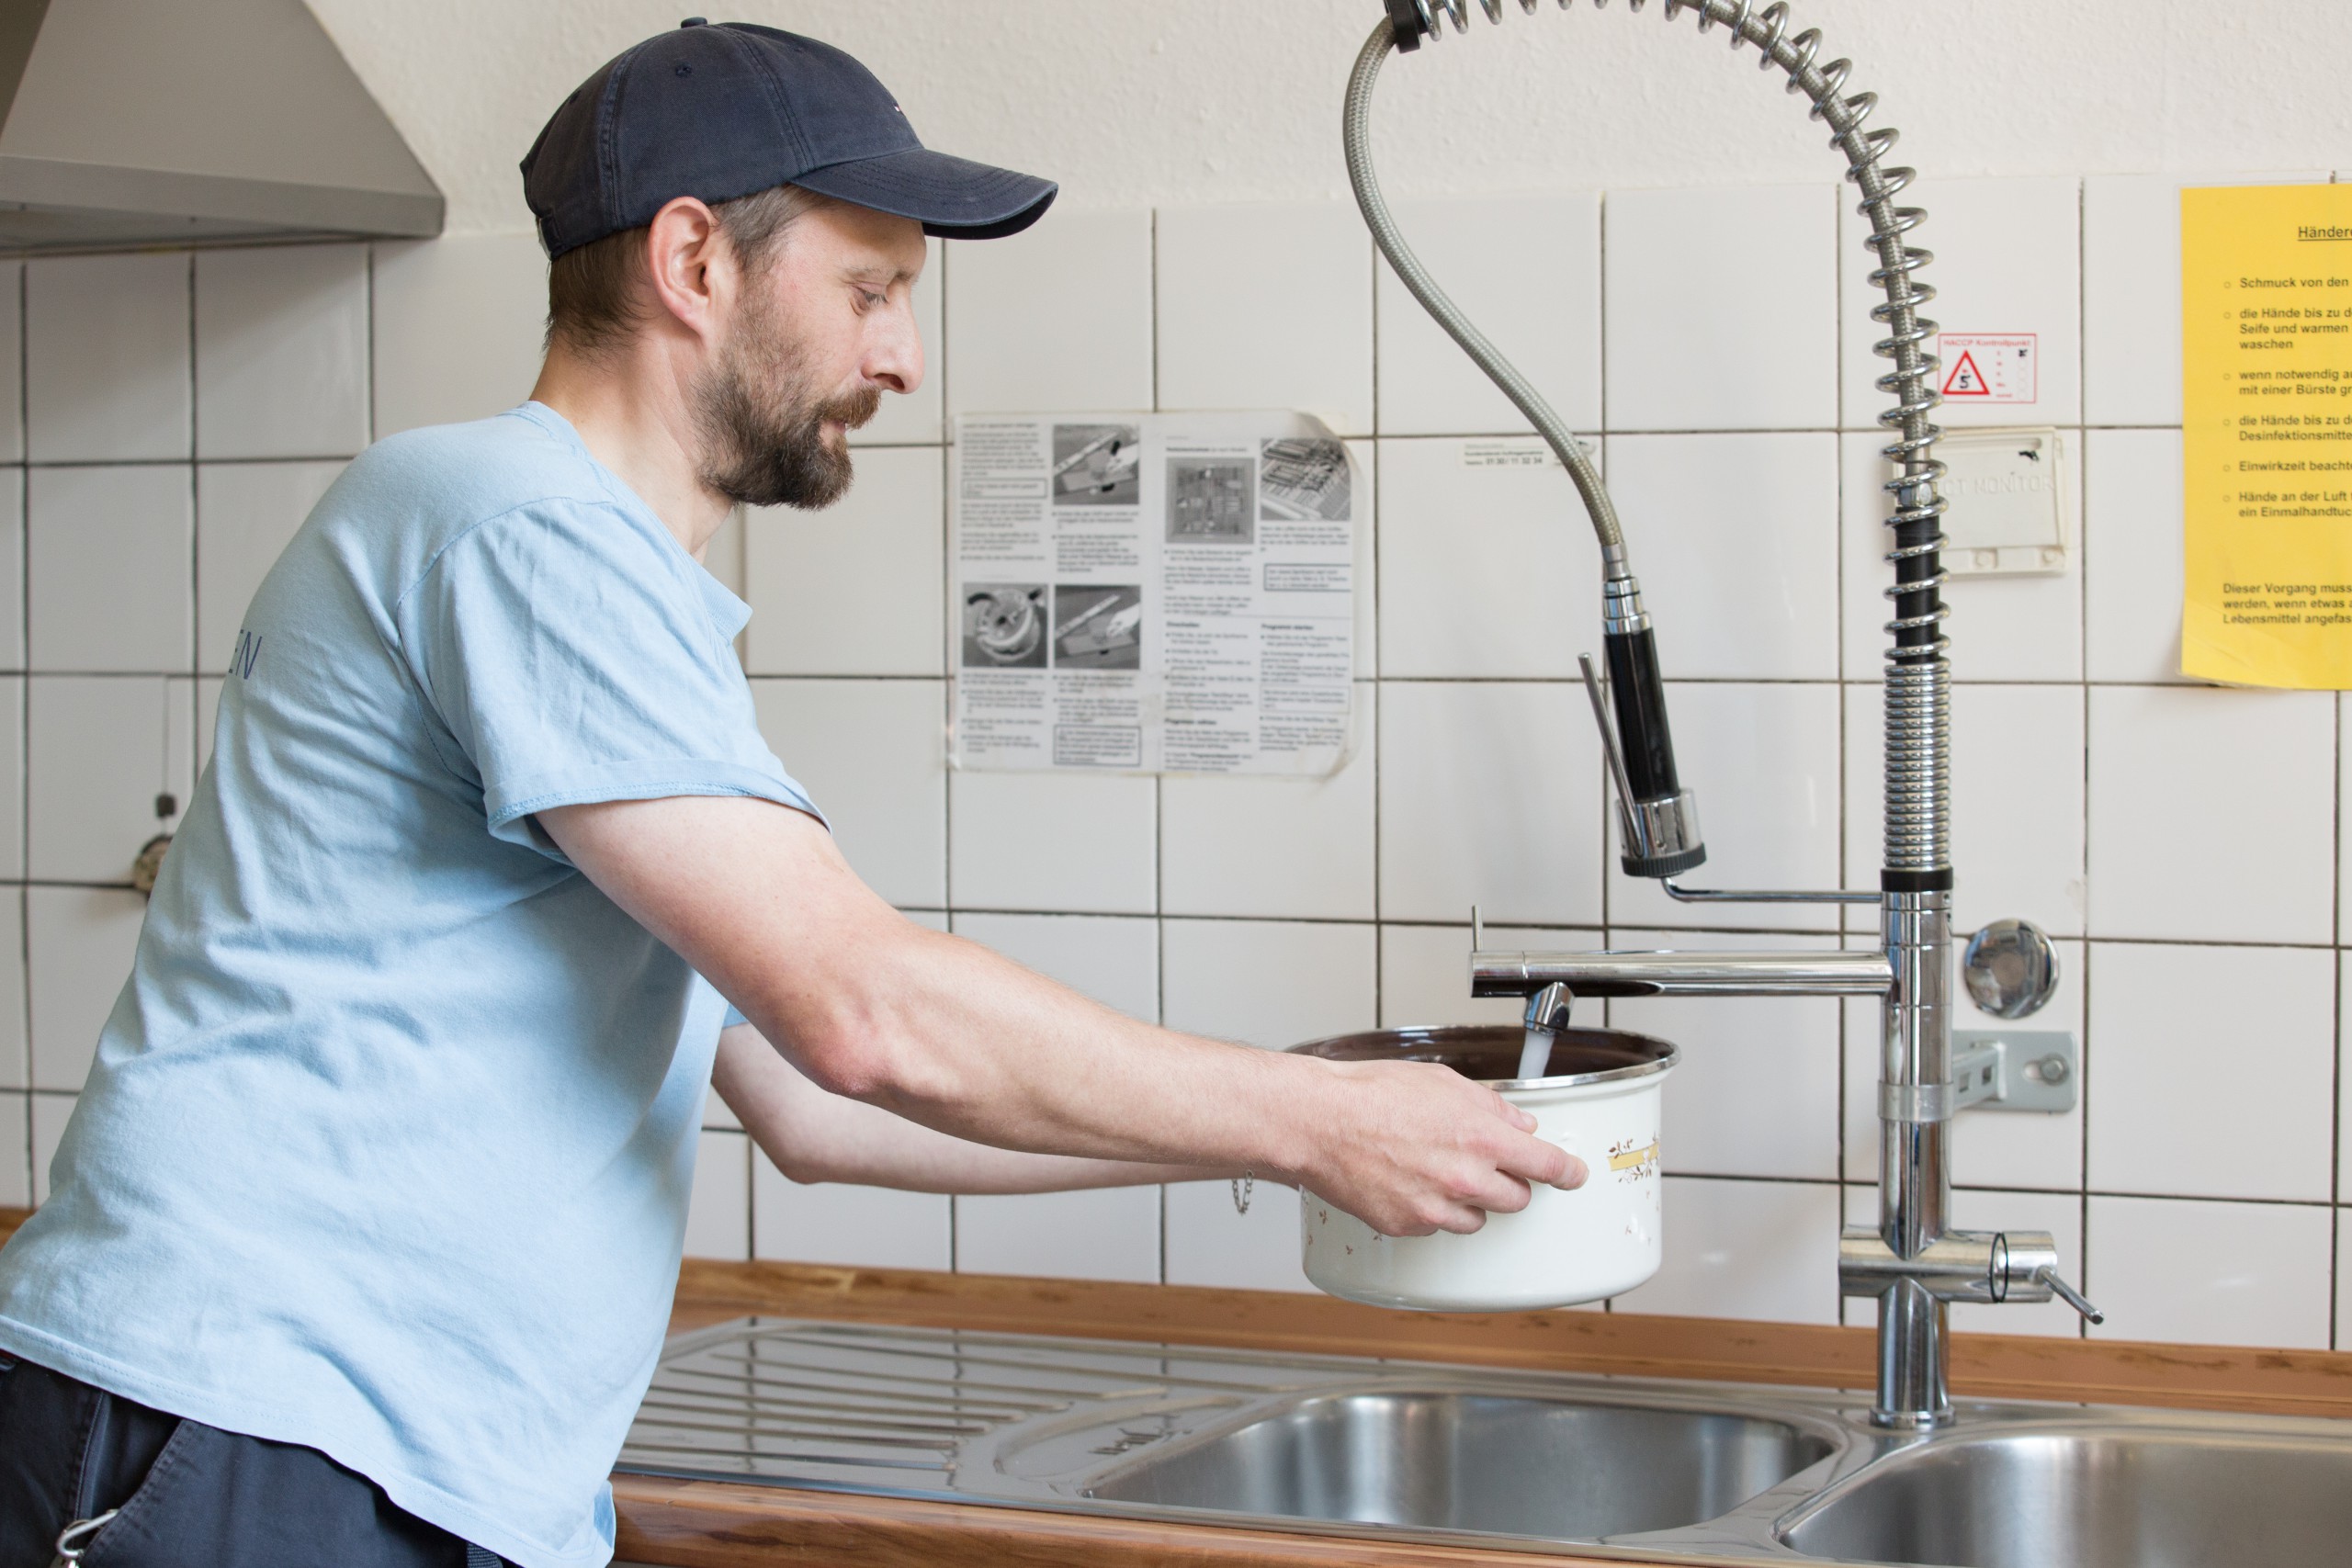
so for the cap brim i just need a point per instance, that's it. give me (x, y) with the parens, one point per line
(952, 197)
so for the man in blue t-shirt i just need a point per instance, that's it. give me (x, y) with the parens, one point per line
(360, 1242)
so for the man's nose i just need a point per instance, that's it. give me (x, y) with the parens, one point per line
(896, 361)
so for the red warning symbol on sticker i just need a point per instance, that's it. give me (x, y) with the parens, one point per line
(1966, 380)
(1992, 367)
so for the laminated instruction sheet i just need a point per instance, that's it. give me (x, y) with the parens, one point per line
(2266, 435)
(1152, 593)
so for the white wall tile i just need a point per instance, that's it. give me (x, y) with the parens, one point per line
(245, 515)
(1366, 461)
(1989, 1148)
(12, 351)
(1734, 538)
(1483, 571)
(2132, 317)
(2209, 1273)
(1764, 762)
(1745, 1249)
(110, 556)
(915, 416)
(1425, 971)
(458, 323)
(1489, 794)
(2216, 1071)
(873, 756)
(12, 776)
(16, 1061)
(1266, 845)
(2016, 803)
(51, 1112)
(1210, 1243)
(2008, 260)
(1058, 317)
(2343, 1297)
(2059, 1213)
(1483, 249)
(719, 1214)
(1052, 842)
(1271, 983)
(11, 563)
(208, 717)
(2002, 628)
(1687, 352)
(1756, 1093)
(1111, 1233)
(281, 352)
(1113, 960)
(1267, 307)
(2172, 772)
(2132, 574)
(856, 1227)
(16, 1152)
(857, 588)
(106, 358)
(99, 755)
(80, 940)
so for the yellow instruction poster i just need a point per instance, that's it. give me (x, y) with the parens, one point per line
(2267, 405)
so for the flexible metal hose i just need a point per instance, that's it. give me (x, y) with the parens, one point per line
(1918, 678)
(1357, 136)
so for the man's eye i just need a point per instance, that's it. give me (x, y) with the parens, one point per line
(867, 300)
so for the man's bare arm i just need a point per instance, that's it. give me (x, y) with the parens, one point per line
(873, 1006)
(813, 1134)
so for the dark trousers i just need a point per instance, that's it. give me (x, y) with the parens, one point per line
(189, 1495)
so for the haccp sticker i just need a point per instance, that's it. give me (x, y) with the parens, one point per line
(1989, 368)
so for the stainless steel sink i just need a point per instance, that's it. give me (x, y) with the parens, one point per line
(2090, 1499)
(1465, 1461)
(1636, 1469)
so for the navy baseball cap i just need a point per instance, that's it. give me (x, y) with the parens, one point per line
(725, 111)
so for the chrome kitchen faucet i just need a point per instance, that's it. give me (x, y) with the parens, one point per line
(1913, 1262)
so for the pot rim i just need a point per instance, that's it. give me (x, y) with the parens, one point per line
(1663, 1054)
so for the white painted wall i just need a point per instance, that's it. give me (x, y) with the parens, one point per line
(1141, 103)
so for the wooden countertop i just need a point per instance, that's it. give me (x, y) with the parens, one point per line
(712, 1524)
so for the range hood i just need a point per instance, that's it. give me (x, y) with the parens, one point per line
(138, 122)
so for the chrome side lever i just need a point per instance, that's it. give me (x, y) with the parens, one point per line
(2066, 1292)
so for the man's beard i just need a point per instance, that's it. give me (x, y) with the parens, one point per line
(763, 430)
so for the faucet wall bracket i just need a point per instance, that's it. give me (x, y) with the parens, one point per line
(2014, 1069)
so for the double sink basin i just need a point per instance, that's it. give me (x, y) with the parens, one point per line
(1603, 1466)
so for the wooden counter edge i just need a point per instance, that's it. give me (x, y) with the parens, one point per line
(10, 1220)
(2097, 1371)
(694, 1524)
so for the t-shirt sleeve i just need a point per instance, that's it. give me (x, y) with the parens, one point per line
(573, 658)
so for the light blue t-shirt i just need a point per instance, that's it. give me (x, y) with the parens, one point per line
(389, 1140)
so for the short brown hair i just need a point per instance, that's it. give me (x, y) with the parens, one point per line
(593, 301)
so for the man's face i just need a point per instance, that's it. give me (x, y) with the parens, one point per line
(821, 328)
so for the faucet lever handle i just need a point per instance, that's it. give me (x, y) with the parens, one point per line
(2068, 1293)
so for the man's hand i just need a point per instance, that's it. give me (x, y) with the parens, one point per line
(871, 1005)
(1425, 1149)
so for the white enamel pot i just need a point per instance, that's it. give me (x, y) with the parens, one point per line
(1599, 1100)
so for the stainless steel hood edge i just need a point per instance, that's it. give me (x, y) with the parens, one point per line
(159, 121)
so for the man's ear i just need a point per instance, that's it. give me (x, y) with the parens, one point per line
(690, 264)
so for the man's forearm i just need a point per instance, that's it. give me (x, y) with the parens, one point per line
(815, 1136)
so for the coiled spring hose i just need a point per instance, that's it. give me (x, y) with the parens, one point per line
(1918, 678)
